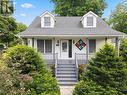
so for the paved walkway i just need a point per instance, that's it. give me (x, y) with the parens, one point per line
(66, 90)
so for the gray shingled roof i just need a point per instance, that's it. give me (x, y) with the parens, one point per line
(69, 26)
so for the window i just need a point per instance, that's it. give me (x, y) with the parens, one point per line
(47, 21)
(64, 46)
(48, 46)
(40, 45)
(44, 46)
(89, 21)
(92, 46)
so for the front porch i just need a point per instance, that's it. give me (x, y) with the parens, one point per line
(78, 49)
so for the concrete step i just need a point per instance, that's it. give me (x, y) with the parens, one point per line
(66, 66)
(67, 83)
(67, 79)
(60, 71)
(66, 76)
(66, 69)
(66, 62)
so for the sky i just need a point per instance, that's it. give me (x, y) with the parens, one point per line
(27, 10)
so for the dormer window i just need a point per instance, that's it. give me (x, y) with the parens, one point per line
(47, 21)
(89, 21)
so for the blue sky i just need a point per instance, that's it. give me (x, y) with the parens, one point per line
(27, 10)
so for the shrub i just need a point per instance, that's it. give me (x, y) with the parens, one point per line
(52, 69)
(91, 88)
(29, 64)
(81, 70)
(123, 50)
(10, 81)
(106, 71)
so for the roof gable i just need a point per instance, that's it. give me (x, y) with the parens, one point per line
(90, 12)
(47, 12)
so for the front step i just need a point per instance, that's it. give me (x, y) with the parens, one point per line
(67, 83)
(66, 72)
(66, 69)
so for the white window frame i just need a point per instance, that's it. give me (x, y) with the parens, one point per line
(44, 46)
(92, 21)
(89, 46)
(45, 22)
(84, 22)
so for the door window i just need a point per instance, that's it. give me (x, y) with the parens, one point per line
(64, 46)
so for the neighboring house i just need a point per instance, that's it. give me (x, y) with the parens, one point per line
(69, 41)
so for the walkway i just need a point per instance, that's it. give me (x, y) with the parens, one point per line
(66, 90)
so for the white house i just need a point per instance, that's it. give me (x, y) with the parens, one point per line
(69, 41)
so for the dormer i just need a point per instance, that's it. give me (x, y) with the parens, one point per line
(89, 20)
(47, 20)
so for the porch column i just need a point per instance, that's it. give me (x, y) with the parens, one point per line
(53, 46)
(87, 49)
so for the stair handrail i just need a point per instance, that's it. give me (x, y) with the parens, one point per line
(76, 63)
(56, 62)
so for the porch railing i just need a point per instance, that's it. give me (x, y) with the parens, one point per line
(82, 58)
(50, 58)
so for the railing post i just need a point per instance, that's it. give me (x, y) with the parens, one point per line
(76, 63)
(56, 61)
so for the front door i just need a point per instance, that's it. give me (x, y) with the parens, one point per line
(64, 49)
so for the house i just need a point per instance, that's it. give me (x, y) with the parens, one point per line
(69, 41)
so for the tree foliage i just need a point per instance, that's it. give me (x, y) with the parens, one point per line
(118, 18)
(20, 28)
(78, 7)
(31, 72)
(123, 50)
(107, 72)
(8, 30)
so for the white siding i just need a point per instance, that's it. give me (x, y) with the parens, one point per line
(74, 48)
(52, 21)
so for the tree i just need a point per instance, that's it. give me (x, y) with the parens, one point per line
(78, 7)
(107, 72)
(6, 8)
(7, 28)
(123, 50)
(30, 66)
(118, 18)
(20, 28)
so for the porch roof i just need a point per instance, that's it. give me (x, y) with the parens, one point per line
(69, 26)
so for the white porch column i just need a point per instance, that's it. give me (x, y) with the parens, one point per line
(87, 49)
